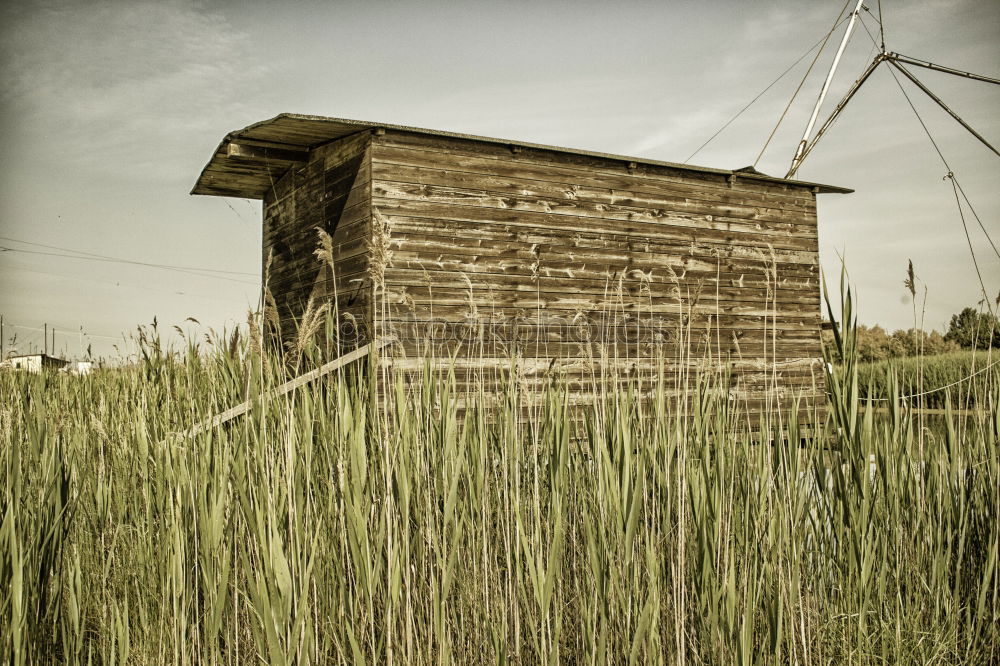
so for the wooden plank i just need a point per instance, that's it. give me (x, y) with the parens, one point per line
(597, 328)
(409, 268)
(592, 164)
(744, 316)
(514, 304)
(295, 279)
(455, 196)
(513, 177)
(546, 364)
(424, 296)
(749, 403)
(781, 349)
(322, 181)
(287, 387)
(301, 131)
(343, 251)
(613, 234)
(736, 321)
(537, 248)
(552, 292)
(259, 154)
(332, 193)
(597, 372)
(350, 226)
(417, 239)
(324, 159)
(666, 227)
(741, 387)
(287, 219)
(582, 389)
(348, 291)
(784, 349)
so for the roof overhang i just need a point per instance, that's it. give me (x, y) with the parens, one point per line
(249, 161)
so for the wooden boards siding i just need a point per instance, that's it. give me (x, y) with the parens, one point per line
(599, 263)
(329, 195)
(597, 270)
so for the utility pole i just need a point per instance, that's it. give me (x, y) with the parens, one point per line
(2, 357)
(800, 151)
(45, 339)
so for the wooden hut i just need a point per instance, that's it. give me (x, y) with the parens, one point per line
(593, 266)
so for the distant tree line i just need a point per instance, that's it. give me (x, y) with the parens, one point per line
(969, 329)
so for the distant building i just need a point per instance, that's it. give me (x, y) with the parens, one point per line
(33, 362)
(79, 367)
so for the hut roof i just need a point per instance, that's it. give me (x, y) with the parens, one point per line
(250, 160)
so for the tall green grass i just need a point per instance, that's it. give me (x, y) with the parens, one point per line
(323, 527)
(961, 380)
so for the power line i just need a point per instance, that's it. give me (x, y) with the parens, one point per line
(249, 225)
(976, 215)
(805, 76)
(956, 186)
(197, 293)
(824, 89)
(968, 239)
(939, 388)
(954, 181)
(881, 26)
(760, 94)
(127, 261)
(169, 268)
(90, 256)
(64, 331)
(806, 149)
(894, 60)
(944, 106)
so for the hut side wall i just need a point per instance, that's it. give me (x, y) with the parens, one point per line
(597, 263)
(331, 193)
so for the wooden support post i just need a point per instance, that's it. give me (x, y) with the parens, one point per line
(289, 386)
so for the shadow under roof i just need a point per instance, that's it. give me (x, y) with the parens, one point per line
(229, 174)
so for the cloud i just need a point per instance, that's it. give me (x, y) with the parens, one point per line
(121, 84)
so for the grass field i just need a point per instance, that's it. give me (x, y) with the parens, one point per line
(320, 529)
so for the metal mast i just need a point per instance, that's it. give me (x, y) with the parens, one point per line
(800, 151)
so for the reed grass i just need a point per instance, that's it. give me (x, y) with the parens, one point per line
(968, 377)
(323, 528)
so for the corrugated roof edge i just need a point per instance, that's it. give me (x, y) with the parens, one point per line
(363, 125)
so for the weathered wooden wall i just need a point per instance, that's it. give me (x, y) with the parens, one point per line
(658, 262)
(330, 193)
(590, 268)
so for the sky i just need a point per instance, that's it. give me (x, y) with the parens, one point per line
(109, 110)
